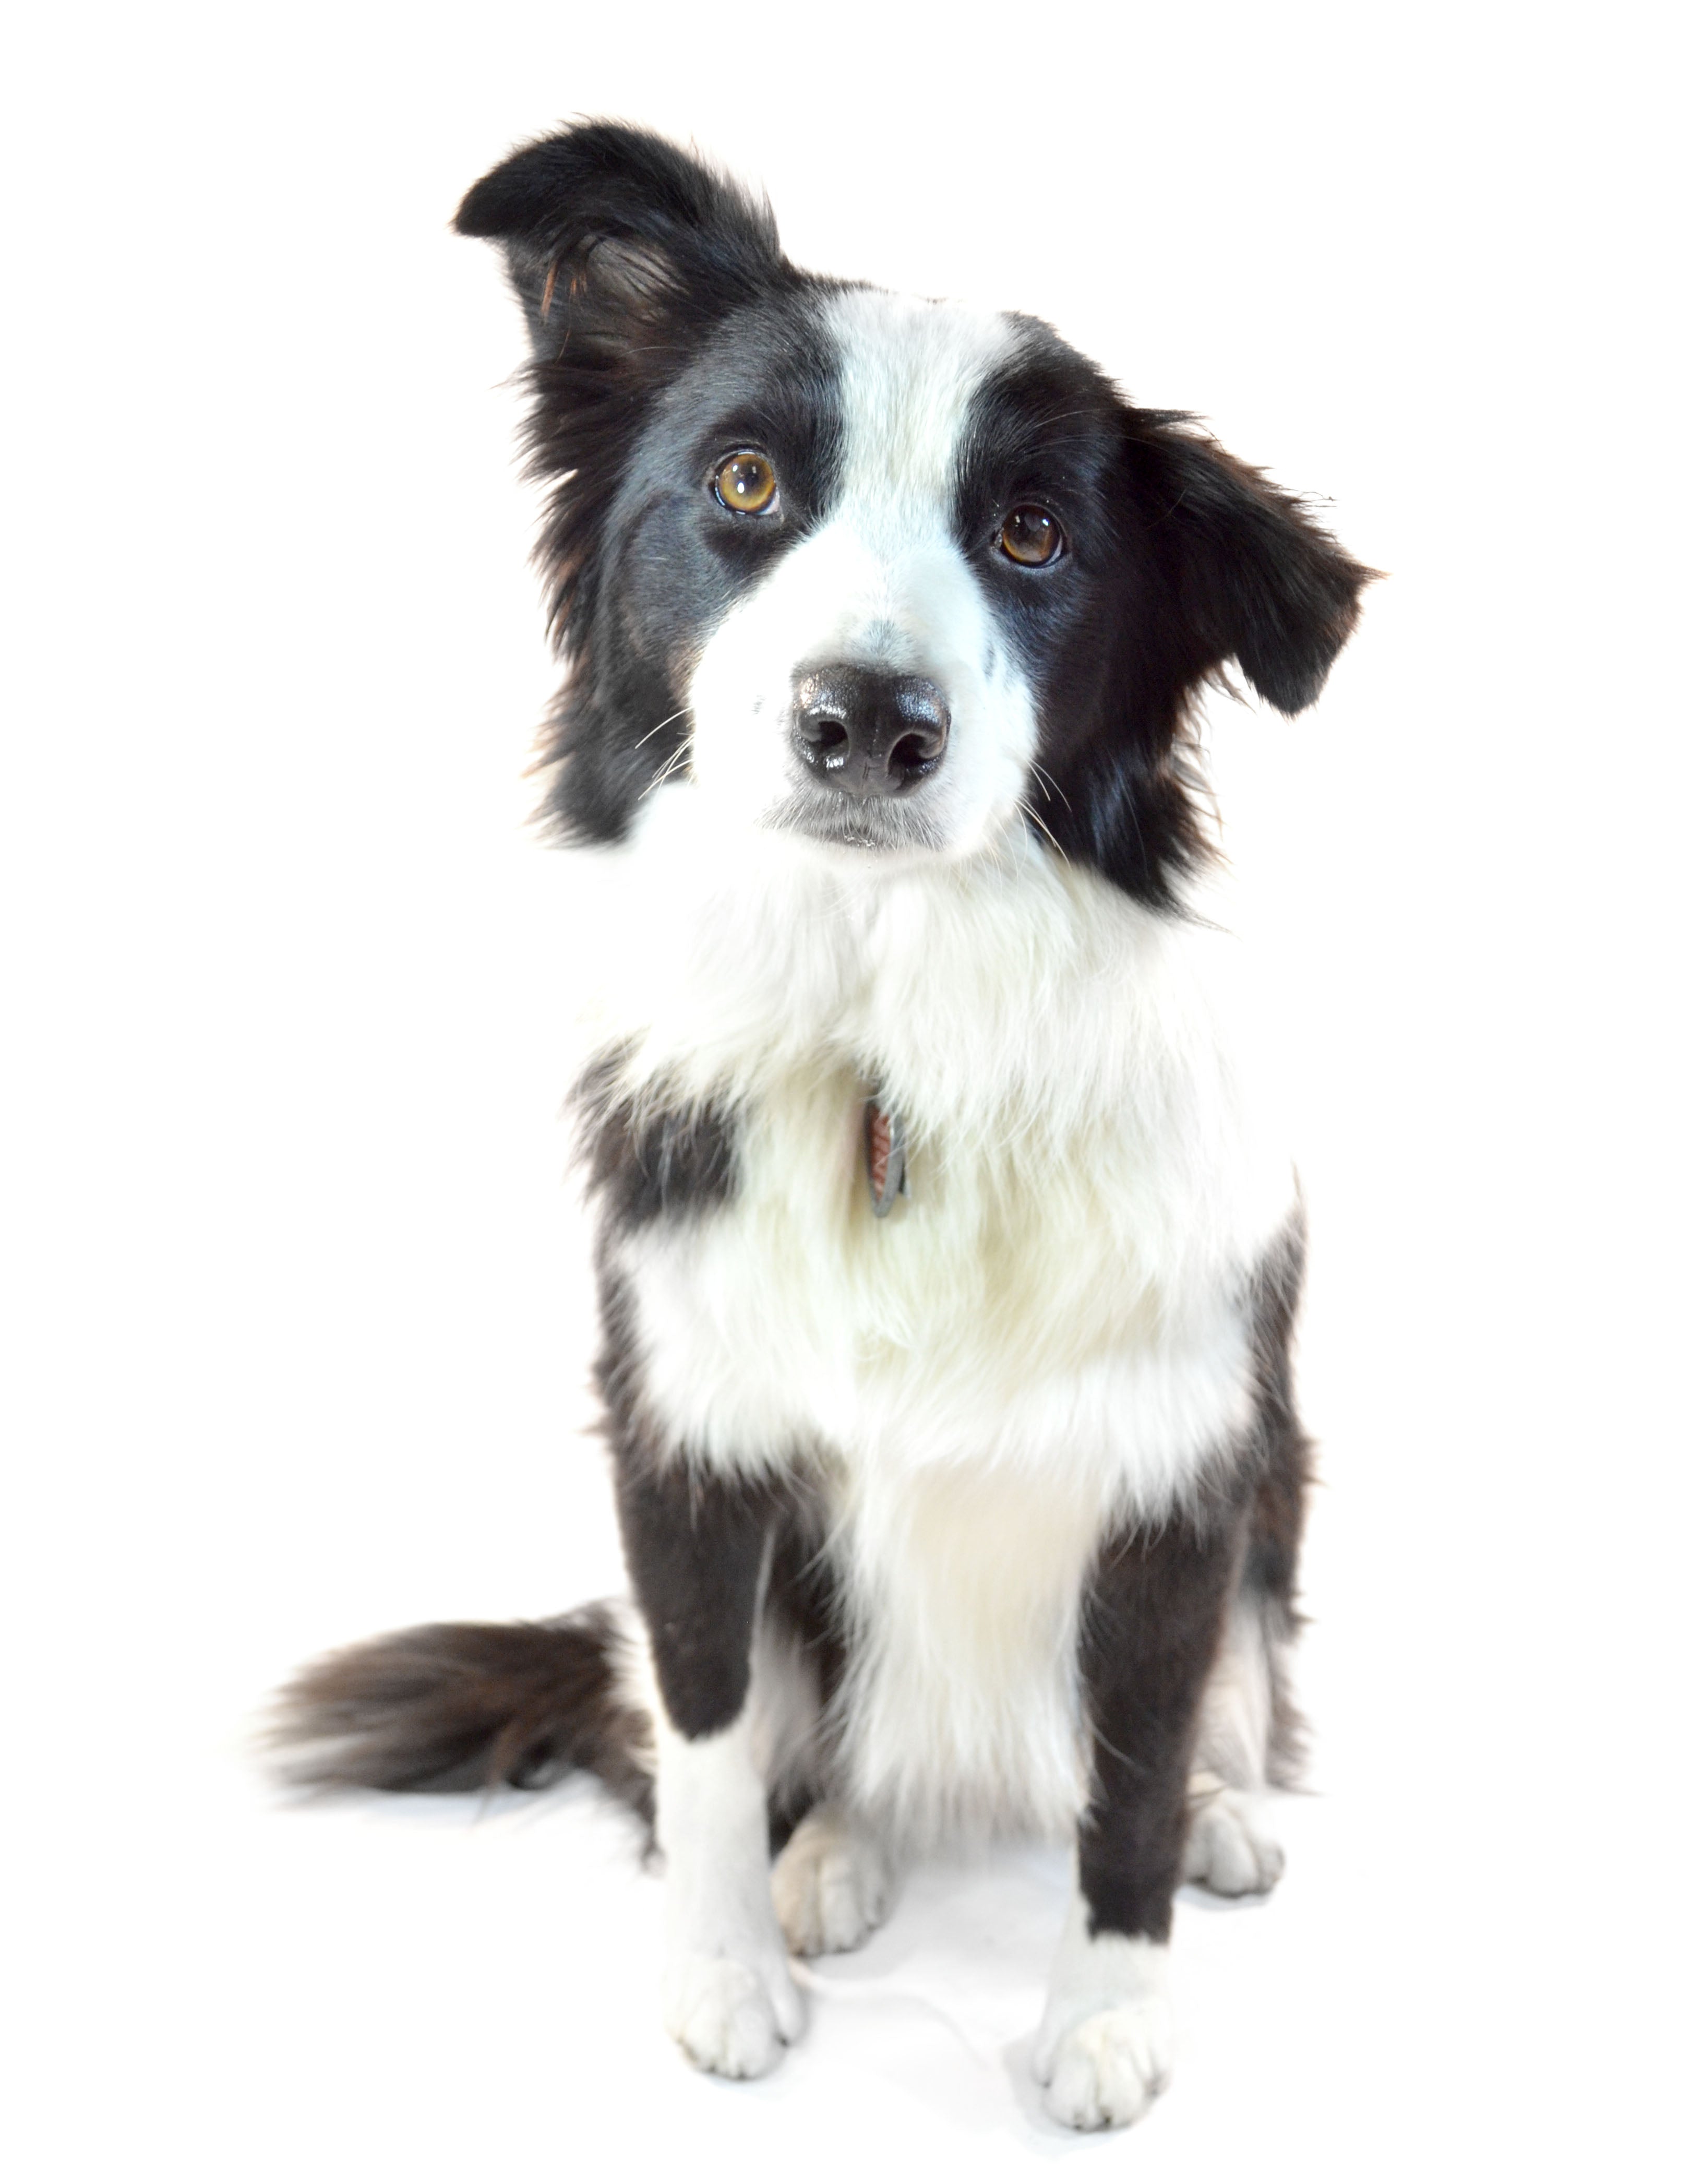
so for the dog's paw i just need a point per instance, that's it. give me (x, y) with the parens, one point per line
(1105, 2070)
(1229, 1850)
(831, 1884)
(731, 2017)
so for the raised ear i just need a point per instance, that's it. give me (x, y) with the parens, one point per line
(620, 242)
(1255, 579)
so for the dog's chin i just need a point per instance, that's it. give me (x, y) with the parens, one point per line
(900, 831)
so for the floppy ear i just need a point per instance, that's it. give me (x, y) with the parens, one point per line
(621, 246)
(1254, 578)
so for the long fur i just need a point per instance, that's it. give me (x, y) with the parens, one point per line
(473, 1705)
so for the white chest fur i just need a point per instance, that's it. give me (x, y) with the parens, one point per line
(1090, 1184)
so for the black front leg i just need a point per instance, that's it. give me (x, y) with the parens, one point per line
(694, 1534)
(1152, 1623)
(694, 1542)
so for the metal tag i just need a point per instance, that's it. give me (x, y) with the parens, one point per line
(883, 1157)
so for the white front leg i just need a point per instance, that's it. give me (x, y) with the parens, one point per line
(728, 1997)
(1103, 2049)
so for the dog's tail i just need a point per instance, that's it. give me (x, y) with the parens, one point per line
(473, 1705)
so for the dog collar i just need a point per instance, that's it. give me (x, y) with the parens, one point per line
(883, 1155)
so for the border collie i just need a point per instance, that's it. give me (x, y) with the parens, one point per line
(947, 1258)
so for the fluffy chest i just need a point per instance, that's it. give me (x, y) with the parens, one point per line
(1030, 1303)
(1063, 1288)
(963, 1587)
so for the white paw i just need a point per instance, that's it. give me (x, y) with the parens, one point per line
(1229, 1850)
(831, 1884)
(1105, 2070)
(731, 2017)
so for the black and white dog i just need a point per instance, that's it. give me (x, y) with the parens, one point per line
(948, 1264)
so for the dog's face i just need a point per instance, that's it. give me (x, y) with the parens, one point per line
(857, 678)
(891, 576)
(863, 527)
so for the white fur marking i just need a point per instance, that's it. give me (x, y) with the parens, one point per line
(1105, 2047)
(728, 1997)
(831, 1884)
(1230, 1849)
(881, 582)
(964, 1583)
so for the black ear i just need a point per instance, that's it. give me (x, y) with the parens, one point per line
(622, 247)
(1254, 579)
(626, 252)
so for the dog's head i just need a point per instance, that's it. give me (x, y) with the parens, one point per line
(893, 575)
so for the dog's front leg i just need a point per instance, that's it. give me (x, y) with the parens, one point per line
(1151, 1625)
(695, 1544)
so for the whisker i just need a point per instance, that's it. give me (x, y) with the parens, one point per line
(1041, 823)
(1047, 782)
(669, 765)
(659, 727)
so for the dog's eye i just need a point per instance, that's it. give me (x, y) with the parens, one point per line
(1031, 536)
(746, 482)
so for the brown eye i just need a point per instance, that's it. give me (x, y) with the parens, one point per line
(746, 483)
(1031, 536)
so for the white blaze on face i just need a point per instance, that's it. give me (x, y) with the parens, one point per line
(881, 582)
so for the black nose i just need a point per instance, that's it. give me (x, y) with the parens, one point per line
(869, 734)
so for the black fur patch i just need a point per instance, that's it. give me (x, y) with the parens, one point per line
(1151, 1626)
(647, 1160)
(613, 235)
(694, 1542)
(1179, 560)
(803, 1603)
(638, 583)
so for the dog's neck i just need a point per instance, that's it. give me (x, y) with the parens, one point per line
(1001, 991)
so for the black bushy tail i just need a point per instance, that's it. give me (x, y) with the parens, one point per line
(470, 1706)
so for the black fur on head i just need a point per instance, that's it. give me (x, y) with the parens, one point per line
(1187, 561)
(625, 251)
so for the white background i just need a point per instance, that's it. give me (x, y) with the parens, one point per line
(298, 1319)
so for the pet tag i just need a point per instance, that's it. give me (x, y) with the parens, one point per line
(884, 1155)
